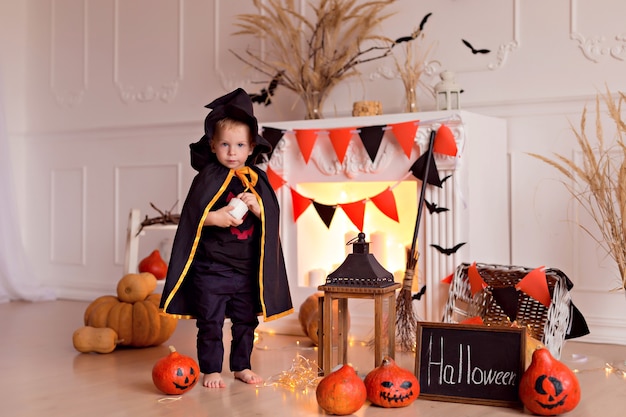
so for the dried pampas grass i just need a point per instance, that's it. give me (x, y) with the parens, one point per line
(310, 56)
(598, 182)
(411, 70)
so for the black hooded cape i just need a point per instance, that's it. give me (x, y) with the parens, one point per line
(206, 188)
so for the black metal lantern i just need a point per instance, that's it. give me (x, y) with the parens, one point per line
(360, 269)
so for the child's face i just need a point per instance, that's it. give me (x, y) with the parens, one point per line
(232, 146)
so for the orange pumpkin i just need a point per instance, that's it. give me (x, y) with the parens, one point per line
(391, 386)
(175, 373)
(548, 387)
(154, 264)
(341, 392)
(138, 324)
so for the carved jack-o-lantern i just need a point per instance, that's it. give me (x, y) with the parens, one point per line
(548, 387)
(390, 386)
(175, 373)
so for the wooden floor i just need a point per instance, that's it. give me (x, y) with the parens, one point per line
(42, 375)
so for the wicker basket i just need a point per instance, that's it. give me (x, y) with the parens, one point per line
(549, 325)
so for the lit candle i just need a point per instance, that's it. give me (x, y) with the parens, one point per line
(317, 277)
(378, 247)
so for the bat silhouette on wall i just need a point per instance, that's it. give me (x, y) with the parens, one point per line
(445, 178)
(265, 96)
(448, 251)
(474, 50)
(414, 34)
(433, 208)
(419, 294)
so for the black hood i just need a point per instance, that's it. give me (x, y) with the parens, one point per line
(234, 105)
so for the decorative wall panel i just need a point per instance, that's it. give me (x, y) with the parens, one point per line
(148, 49)
(68, 51)
(598, 31)
(68, 216)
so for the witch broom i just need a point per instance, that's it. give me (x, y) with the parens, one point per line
(406, 322)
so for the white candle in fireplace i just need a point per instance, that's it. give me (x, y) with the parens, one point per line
(378, 247)
(317, 277)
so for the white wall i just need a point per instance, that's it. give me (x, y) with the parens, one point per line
(105, 97)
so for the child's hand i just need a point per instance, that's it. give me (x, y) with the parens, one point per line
(221, 218)
(251, 203)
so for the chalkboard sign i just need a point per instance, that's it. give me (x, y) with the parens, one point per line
(470, 363)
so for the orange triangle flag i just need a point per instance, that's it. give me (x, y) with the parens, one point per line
(306, 139)
(444, 142)
(340, 139)
(535, 285)
(386, 203)
(355, 212)
(276, 180)
(477, 283)
(299, 203)
(405, 135)
(448, 279)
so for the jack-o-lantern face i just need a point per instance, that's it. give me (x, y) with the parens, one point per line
(175, 373)
(185, 378)
(396, 394)
(548, 387)
(552, 392)
(391, 386)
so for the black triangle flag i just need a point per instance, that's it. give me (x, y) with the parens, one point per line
(419, 167)
(272, 135)
(325, 212)
(372, 137)
(508, 300)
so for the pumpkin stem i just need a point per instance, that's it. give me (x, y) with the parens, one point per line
(172, 349)
(118, 341)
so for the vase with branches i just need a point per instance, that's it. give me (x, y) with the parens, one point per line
(598, 181)
(309, 52)
(411, 69)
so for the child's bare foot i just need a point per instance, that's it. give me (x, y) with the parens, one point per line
(213, 380)
(248, 377)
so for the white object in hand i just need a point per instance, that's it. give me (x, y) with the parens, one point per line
(239, 210)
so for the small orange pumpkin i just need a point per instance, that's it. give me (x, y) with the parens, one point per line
(341, 392)
(548, 387)
(154, 264)
(391, 386)
(175, 373)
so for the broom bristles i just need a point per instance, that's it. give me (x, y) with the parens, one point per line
(406, 322)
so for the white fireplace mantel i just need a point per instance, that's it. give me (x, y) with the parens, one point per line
(476, 195)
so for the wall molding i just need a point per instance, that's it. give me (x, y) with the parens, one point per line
(147, 93)
(595, 48)
(68, 97)
(81, 194)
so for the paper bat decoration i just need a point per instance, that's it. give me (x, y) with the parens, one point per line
(474, 50)
(414, 34)
(265, 96)
(449, 251)
(433, 208)
(445, 178)
(419, 294)
(423, 22)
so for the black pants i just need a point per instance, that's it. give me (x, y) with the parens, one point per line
(223, 292)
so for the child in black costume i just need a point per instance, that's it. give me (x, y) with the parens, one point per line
(222, 266)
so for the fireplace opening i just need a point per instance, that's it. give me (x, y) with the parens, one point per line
(321, 249)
